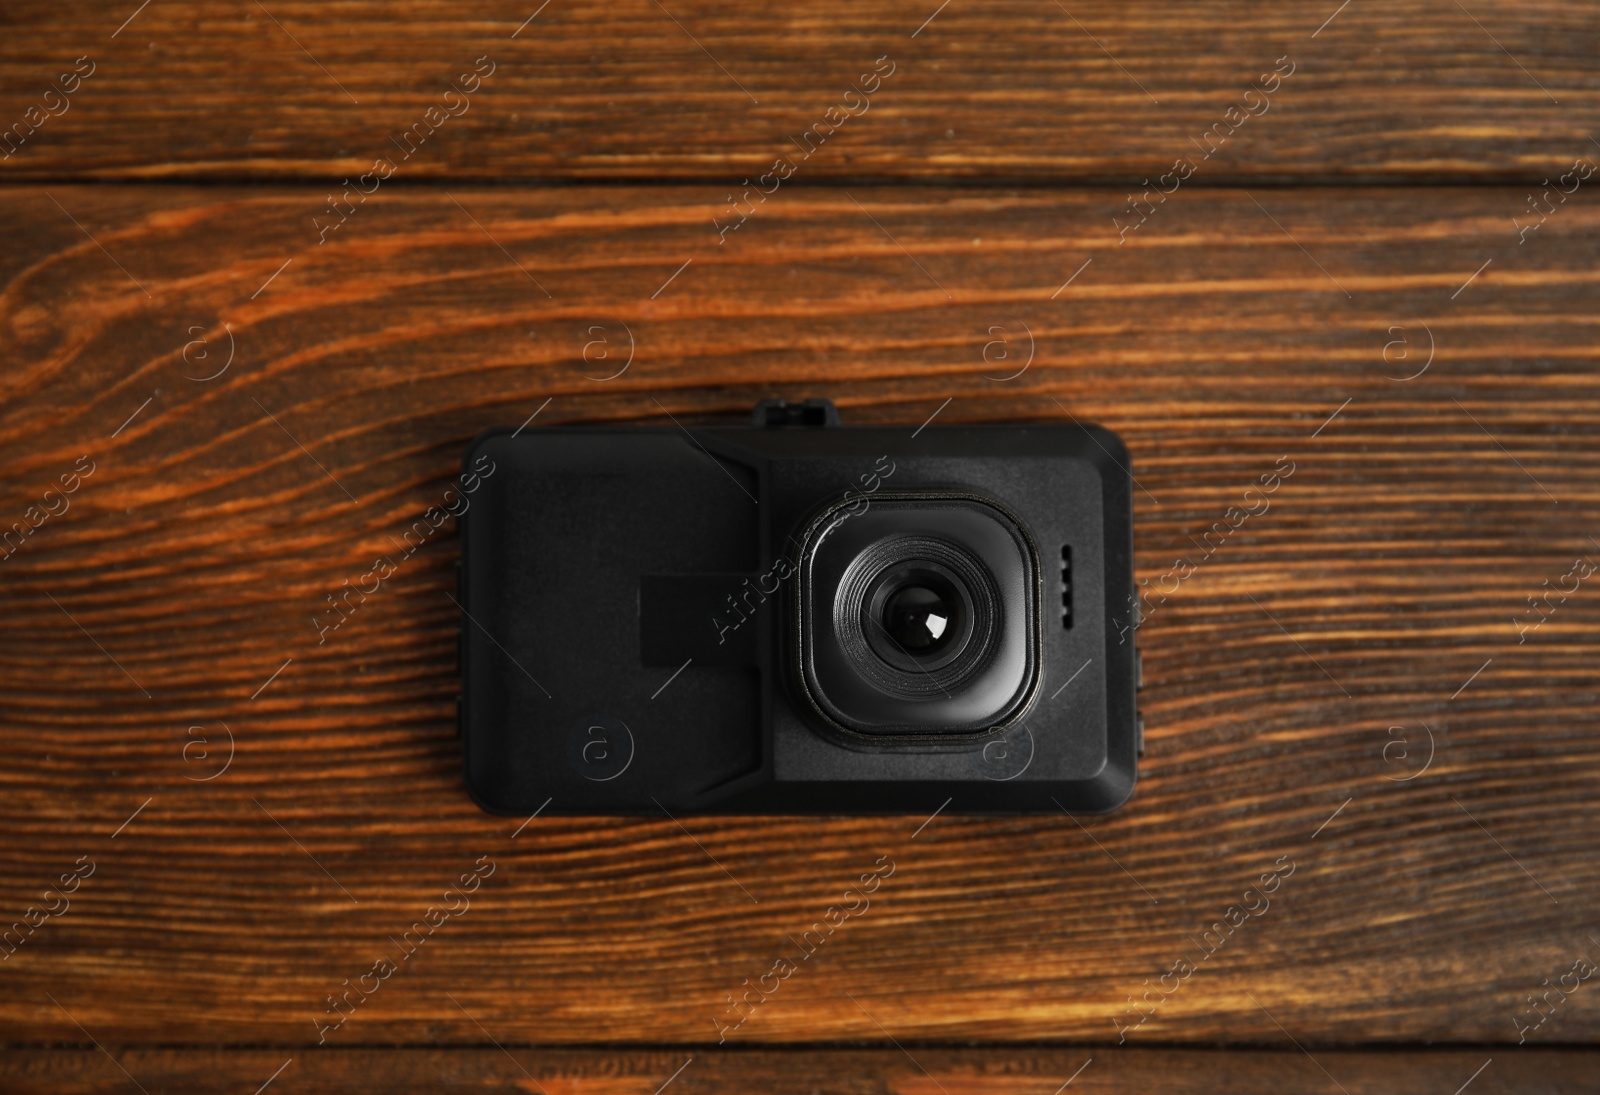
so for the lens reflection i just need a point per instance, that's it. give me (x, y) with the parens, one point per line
(921, 620)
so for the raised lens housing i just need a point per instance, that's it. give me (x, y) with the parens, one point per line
(918, 617)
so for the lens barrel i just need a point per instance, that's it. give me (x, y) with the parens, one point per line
(888, 600)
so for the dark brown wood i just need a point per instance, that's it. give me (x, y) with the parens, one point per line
(690, 89)
(1381, 589)
(914, 1070)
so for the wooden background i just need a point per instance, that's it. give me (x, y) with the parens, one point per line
(1308, 292)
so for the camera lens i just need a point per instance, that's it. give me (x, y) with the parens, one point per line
(921, 615)
(916, 615)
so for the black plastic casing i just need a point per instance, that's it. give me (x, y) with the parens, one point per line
(629, 643)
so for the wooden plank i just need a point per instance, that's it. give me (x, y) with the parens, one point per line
(712, 90)
(921, 1071)
(1381, 588)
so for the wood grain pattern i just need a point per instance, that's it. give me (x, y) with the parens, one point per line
(920, 1071)
(1379, 590)
(589, 90)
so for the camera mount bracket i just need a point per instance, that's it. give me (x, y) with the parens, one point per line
(780, 413)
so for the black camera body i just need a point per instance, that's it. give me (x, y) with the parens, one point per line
(798, 617)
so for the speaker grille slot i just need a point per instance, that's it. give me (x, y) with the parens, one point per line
(1066, 587)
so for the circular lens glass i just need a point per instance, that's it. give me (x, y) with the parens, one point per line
(917, 616)
(920, 618)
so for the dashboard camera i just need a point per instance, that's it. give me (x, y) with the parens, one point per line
(798, 616)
